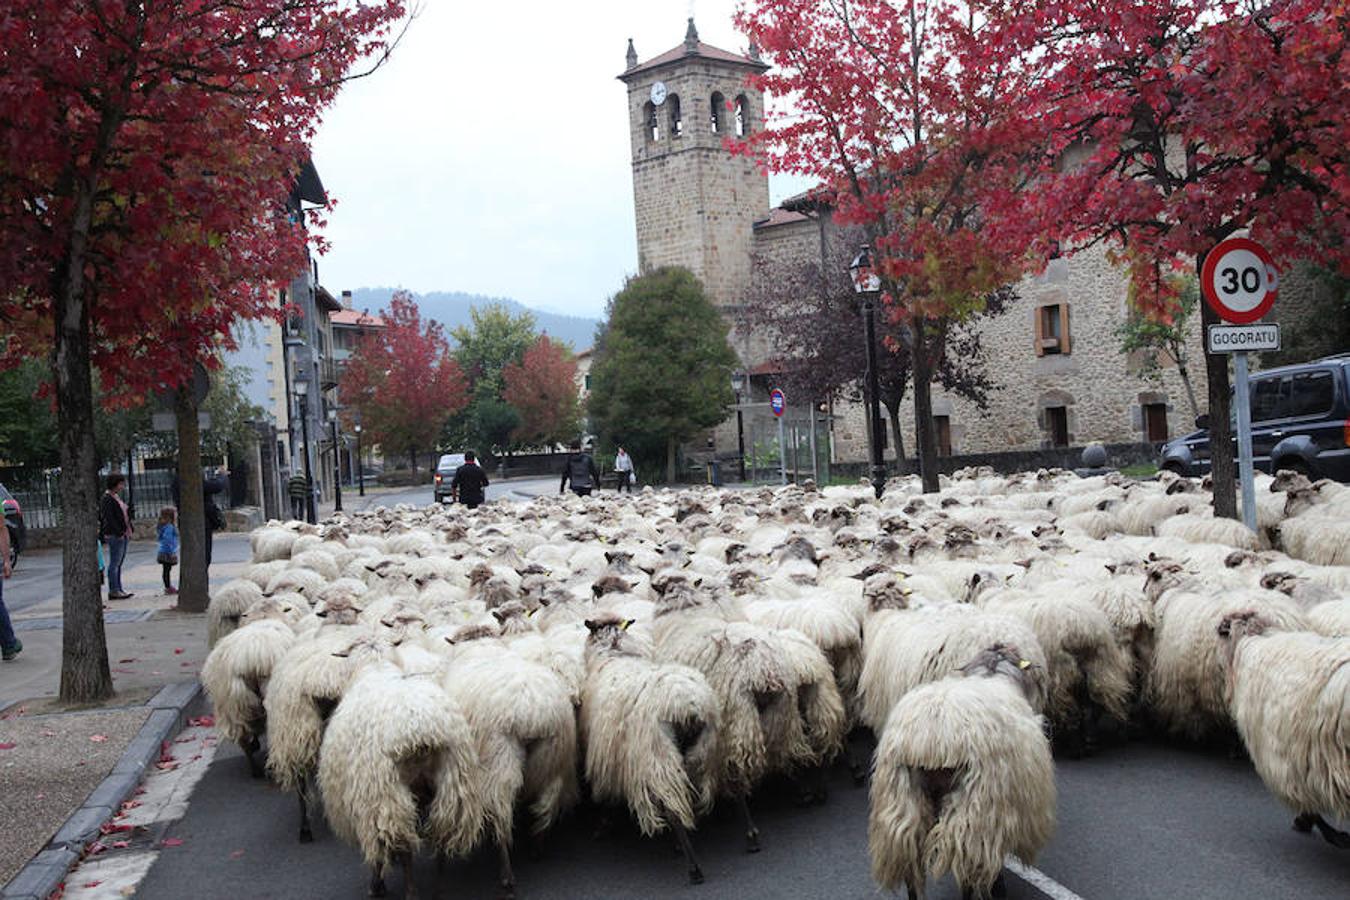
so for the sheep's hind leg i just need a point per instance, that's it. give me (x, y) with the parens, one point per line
(506, 878)
(306, 833)
(409, 886)
(751, 832)
(686, 847)
(251, 747)
(857, 763)
(1308, 821)
(377, 888)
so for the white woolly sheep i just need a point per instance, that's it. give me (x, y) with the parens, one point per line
(963, 777)
(228, 603)
(650, 732)
(1288, 694)
(1209, 530)
(399, 763)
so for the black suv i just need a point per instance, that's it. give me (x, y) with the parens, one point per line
(1300, 421)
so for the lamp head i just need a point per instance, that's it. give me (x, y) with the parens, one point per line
(864, 275)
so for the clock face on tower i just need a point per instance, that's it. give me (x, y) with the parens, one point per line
(659, 93)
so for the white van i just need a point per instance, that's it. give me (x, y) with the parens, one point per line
(445, 472)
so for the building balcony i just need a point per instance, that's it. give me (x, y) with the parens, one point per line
(328, 374)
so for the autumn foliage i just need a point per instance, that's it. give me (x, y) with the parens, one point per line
(404, 381)
(542, 388)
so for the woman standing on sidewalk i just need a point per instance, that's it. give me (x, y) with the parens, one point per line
(10, 645)
(114, 529)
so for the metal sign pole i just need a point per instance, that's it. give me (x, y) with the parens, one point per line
(1244, 430)
(782, 453)
(815, 459)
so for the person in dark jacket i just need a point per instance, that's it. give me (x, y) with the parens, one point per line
(580, 470)
(470, 483)
(215, 519)
(114, 529)
(297, 488)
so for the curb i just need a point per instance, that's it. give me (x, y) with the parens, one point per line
(170, 710)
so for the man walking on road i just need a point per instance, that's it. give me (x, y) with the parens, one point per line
(469, 486)
(580, 470)
(297, 488)
(10, 645)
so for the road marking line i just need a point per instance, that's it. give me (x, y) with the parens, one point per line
(1039, 880)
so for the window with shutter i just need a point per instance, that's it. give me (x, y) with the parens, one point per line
(1064, 328)
(1038, 322)
(1052, 329)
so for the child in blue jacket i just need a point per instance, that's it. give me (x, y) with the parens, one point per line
(167, 530)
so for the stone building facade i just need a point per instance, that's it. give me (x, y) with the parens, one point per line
(1060, 379)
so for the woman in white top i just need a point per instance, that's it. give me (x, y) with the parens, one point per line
(623, 464)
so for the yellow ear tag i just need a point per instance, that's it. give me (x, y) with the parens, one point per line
(1024, 664)
(626, 623)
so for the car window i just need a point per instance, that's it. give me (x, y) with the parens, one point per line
(1270, 399)
(1313, 393)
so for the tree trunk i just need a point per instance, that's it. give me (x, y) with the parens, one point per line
(85, 674)
(893, 413)
(925, 437)
(193, 589)
(1221, 444)
(670, 460)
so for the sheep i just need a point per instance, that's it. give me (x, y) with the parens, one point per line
(272, 542)
(305, 688)
(236, 671)
(1289, 698)
(227, 604)
(525, 728)
(905, 648)
(650, 731)
(1323, 540)
(1331, 619)
(1184, 686)
(1209, 530)
(399, 763)
(963, 776)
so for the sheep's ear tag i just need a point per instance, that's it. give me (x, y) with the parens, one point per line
(626, 623)
(1024, 664)
(530, 612)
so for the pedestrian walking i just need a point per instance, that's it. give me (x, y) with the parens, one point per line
(215, 519)
(469, 486)
(580, 471)
(167, 533)
(623, 466)
(10, 645)
(114, 529)
(297, 488)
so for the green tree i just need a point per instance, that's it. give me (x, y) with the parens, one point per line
(27, 421)
(495, 340)
(662, 370)
(1157, 340)
(1323, 328)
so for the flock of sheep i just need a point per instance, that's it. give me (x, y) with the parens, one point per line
(439, 671)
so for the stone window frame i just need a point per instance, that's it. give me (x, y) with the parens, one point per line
(1056, 399)
(1047, 344)
(717, 105)
(676, 116)
(651, 122)
(741, 117)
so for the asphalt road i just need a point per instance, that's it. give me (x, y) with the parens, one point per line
(1143, 821)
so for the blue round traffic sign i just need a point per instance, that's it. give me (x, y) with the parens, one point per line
(777, 402)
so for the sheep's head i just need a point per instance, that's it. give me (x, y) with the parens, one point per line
(1161, 576)
(886, 590)
(286, 608)
(479, 574)
(477, 631)
(363, 647)
(1180, 485)
(1235, 626)
(610, 584)
(338, 607)
(1006, 660)
(798, 547)
(1300, 499)
(497, 591)
(1284, 582)
(513, 618)
(1239, 558)
(619, 560)
(1287, 480)
(609, 636)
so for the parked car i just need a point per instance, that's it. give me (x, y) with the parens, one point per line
(1300, 421)
(18, 532)
(445, 473)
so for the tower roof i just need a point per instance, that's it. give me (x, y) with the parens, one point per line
(693, 48)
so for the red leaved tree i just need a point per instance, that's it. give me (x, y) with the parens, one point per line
(908, 138)
(404, 381)
(146, 153)
(542, 388)
(1174, 124)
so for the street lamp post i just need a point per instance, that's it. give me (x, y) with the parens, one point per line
(337, 462)
(360, 466)
(868, 286)
(738, 382)
(302, 394)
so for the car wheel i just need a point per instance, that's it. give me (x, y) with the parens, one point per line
(1175, 468)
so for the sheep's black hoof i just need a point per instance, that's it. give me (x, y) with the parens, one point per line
(752, 841)
(999, 888)
(695, 875)
(306, 836)
(377, 888)
(506, 892)
(1335, 838)
(859, 776)
(1303, 823)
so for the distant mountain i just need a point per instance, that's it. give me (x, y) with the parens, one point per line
(451, 309)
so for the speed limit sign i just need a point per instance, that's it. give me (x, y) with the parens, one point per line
(1239, 280)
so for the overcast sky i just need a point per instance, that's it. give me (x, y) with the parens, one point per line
(491, 154)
